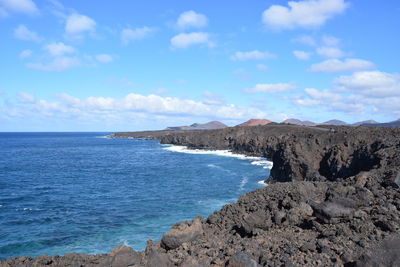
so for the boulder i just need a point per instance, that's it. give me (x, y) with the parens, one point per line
(241, 259)
(123, 256)
(182, 233)
(256, 220)
(333, 210)
(158, 259)
(385, 254)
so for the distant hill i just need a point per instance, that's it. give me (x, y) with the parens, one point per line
(365, 122)
(212, 125)
(299, 122)
(255, 122)
(395, 123)
(335, 122)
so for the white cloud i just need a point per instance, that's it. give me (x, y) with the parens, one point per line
(184, 40)
(330, 52)
(361, 92)
(330, 40)
(271, 88)
(68, 105)
(58, 49)
(25, 53)
(57, 64)
(371, 83)
(305, 40)
(104, 58)
(336, 65)
(18, 6)
(23, 33)
(251, 55)
(128, 34)
(330, 100)
(302, 55)
(26, 97)
(191, 19)
(262, 67)
(77, 24)
(303, 14)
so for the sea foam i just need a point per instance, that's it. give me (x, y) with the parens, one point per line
(225, 153)
(244, 181)
(262, 182)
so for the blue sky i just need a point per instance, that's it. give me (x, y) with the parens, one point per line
(134, 65)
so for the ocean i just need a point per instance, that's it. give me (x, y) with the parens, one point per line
(84, 193)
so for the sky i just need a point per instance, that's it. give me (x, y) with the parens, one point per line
(135, 65)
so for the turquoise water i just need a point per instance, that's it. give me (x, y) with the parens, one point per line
(78, 192)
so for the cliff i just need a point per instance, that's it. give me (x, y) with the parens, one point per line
(333, 200)
(309, 153)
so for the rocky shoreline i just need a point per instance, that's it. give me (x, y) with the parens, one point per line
(333, 200)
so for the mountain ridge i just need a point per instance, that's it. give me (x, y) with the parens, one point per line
(212, 125)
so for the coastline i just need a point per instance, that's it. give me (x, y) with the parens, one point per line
(319, 208)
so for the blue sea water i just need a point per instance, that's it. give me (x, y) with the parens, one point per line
(77, 192)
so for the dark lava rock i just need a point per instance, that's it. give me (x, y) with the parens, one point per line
(157, 259)
(124, 256)
(330, 211)
(386, 254)
(241, 259)
(181, 233)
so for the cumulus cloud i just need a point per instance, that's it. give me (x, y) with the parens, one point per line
(57, 64)
(371, 83)
(184, 40)
(302, 55)
(330, 40)
(330, 100)
(336, 65)
(191, 19)
(251, 55)
(18, 6)
(271, 88)
(77, 24)
(372, 91)
(58, 49)
(302, 14)
(330, 52)
(23, 33)
(128, 34)
(26, 98)
(104, 58)
(135, 103)
(25, 53)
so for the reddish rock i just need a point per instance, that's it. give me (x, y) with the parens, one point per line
(255, 122)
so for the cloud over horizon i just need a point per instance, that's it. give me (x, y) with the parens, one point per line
(67, 105)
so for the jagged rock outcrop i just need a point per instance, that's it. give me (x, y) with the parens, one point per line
(284, 224)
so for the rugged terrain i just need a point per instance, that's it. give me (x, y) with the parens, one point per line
(333, 200)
